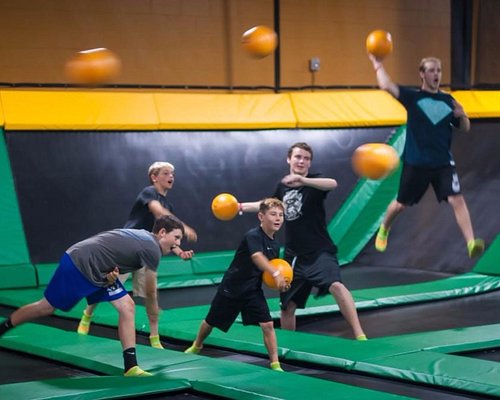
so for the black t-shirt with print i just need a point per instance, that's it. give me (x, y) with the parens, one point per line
(305, 221)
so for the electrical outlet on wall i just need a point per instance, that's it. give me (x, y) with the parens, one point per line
(314, 64)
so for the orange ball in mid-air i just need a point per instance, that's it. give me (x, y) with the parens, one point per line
(379, 44)
(375, 160)
(285, 269)
(259, 41)
(93, 67)
(225, 206)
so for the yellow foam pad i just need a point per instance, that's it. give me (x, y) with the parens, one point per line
(347, 108)
(78, 110)
(224, 111)
(479, 104)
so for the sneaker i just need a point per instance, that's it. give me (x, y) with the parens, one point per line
(83, 327)
(475, 247)
(137, 371)
(193, 349)
(155, 342)
(361, 337)
(276, 366)
(381, 239)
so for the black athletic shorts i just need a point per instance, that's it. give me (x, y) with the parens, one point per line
(320, 273)
(415, 181)
(224, 310)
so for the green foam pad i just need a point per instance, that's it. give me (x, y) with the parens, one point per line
(489, 263)
(469, 374)
(455, 286)
(213, 376)
(92, 388)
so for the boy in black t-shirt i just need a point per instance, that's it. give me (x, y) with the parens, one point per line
(308, 247)
(241, 286)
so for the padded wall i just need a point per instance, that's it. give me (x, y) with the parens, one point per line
(74, 184)
(15, 267)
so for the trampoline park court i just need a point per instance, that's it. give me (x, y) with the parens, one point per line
(430, 313)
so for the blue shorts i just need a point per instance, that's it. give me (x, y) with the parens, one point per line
(68, 286)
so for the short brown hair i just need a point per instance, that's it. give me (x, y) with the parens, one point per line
(270, 202)
(167, 222)
(425, 60)
(300, 145)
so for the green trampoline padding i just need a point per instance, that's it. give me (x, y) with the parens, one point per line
(473, 375)
(212, 376)
(488, 264)
(92, 388)
(456, 286)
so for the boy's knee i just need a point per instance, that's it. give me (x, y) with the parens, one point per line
(337, 288)
(267, 326)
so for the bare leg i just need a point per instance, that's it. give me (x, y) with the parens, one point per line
(153, 324)
(126, 323)
(347, 307)
(89, 310)
(270, 340)
(462, 215)
(394, 209)
(288, 320)
(204, 331)
(29, 312)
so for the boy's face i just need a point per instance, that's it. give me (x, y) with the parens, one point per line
(272, 219)
(164, 179)
(169, 240)
(299, 161)
(431, 76)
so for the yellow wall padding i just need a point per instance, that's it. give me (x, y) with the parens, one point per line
(78, 110)
(95, 109)
(224, 111)
(479, 104)
(347, 108)
(2, 114)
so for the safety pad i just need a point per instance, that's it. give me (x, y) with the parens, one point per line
(472, 375)
(489, 263)
(213, 376)
(456, 286)
(17, 276)
(479, 104)
(14, 250)
(213, 262)
(362, 212)
(93, 388)
(78, 110)
(415, 357)
(224, 111)
(347, 108)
